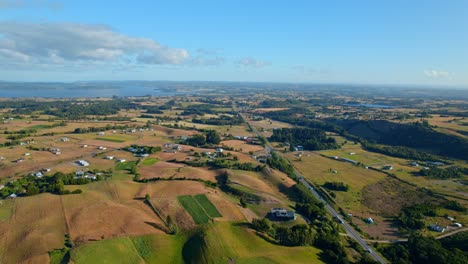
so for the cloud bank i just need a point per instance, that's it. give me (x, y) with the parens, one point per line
(437, 74)
(62, 43)
(252, 62)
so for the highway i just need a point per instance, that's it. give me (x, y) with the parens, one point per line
(349, 229)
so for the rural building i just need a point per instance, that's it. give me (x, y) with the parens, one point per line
(38, 174)
(2, 158)
(434, 163)
(369, 220)
(299, 148)
(19, 160)
(83, 163)
(457, 224)
(101, 133)
(414, 164)
(64, 139)
(121, 160)
(110, 157)
(219, 150)
(281, 214)
(349, 160)
(85, 146)
(102, 148)
(436, 228)
(12, 196)
(2, 186)
(388, 167)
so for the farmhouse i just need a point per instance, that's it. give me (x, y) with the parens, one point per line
(64, 139)
(121, 160)
(281, 214)
(56, 151)
(388, 167)
(101, 133)
(350, 161)
(436, 228)
(219, 150)
(110, 157)
(102, 148)
(83, 163)
(369, 220)
(434, 163)
(38, 174)
(12, 196)
(457, 224)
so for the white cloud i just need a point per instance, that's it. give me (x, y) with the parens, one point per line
(68, 43)
(207, 57)
(252, 62)
(438, 74)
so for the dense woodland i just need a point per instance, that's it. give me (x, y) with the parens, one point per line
(309, 138)
(424, 250)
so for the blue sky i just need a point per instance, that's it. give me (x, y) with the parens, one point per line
(377, 42)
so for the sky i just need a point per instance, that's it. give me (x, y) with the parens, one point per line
(419, 42)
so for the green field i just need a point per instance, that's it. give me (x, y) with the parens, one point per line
(40, 127)
(128, 165)
(227, 242)
(149, 161)
(210, 209)
(194, 209)
(111, 139)
(140, 249)
(118, 250)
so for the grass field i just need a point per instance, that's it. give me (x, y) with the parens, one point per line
(149, 161)
(118, 250)
(193, 208)
(110, 139)
(38, 127)
(128, 165)
(231, 241)
(140, 249)
(210, 209)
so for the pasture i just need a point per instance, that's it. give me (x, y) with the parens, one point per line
(199, 216)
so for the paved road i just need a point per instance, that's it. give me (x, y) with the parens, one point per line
(349, 229)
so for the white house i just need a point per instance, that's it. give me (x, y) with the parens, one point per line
(85, 146)
(102, 148)
(101, 133)
(219, 150)
(83, 163)
(110, 157)
(12, 196)
(64, 139)
(38, 174)
(121, 160)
